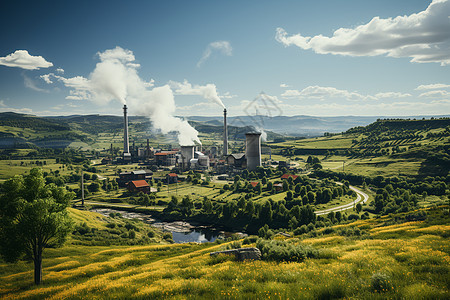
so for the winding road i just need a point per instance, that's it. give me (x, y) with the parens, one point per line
(361, 197)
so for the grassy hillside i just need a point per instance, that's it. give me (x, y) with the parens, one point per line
(386, 147)
(405, 255)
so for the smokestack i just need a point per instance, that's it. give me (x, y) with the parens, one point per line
(253, 150)
(187, 153)
(148, 147)
(225, 133)
(126, 145)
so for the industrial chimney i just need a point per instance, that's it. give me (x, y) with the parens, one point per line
(225, 133)
(126, 145)
(253, 150)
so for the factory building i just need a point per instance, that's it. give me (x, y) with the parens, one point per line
(165, 158)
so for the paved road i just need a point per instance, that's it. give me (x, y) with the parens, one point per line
(361, 197)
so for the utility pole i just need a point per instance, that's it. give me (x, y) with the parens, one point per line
(82, 189)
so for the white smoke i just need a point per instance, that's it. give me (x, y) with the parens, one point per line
(263, 133)
(209, 91)
(115, 77)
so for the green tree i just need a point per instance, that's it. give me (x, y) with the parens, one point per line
(33, 217)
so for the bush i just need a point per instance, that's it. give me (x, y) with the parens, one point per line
(381, 283)
(151, 234)
(250, 240)
(111, 225)
(285, 251)
(328, 230)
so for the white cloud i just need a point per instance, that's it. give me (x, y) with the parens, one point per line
(320, 92)
(433, 86)
(46, 78)
(424, 37)
(22, 59)
(2, 103)
(222, 46)
(392, 95)
(29, 83)
(284, 85)
(227, 95)
(435, 94)
(60, 70)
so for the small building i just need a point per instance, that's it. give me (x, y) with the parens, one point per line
(237, 160)
(126, 177)
(137, 186)
(278, 187)
(254, 183)
(172, 178)
(286, 176)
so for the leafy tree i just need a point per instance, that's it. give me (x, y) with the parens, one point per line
(358, 208)
(33, 217)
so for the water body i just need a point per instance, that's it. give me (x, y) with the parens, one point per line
(182, 232)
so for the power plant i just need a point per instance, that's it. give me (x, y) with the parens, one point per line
(191, 157)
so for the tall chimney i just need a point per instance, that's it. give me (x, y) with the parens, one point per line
(126, 145)
(225, 133)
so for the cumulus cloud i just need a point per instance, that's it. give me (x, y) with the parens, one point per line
(435, 94)
(283, 85)
(321, 93)
(424, 37)
(219, 46)
(207, 91)
(22, 59)
(433, 86)
(392, 95)
(60, 70)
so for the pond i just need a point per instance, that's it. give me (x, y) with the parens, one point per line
(182, 232)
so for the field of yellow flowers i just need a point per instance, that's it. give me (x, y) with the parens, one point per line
(385, 260)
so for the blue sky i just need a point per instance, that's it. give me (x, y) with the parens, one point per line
(322, 58)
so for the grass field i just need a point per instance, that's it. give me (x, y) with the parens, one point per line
(412, 259)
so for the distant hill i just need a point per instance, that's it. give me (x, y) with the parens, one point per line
(297, 125)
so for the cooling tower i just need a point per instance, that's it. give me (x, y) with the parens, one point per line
(126, 145)
(253, 150)
(225, 133)
(187, 153)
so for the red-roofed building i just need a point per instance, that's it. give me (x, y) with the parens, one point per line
(137, 186)
(172, 178)
(254, 183)
(286, 176)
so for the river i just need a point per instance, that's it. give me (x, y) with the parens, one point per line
(182, 232)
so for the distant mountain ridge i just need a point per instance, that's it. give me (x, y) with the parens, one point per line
(301, 125)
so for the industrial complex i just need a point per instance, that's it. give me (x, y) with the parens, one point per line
(190, 157)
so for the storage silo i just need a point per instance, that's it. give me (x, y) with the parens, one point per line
(253, 150)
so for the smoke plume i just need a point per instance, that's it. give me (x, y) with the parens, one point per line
(208, 91)
(115, 77)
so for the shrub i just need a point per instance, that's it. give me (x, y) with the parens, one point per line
(151, 234)
(328, 230)
(111, 225)
(132, 234)
(250, 240)
(381, 283)
(284, 251)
